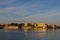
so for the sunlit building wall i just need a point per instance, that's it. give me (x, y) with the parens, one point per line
(26, 27)
(40, 25)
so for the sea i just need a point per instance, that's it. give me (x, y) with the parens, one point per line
(43, 34)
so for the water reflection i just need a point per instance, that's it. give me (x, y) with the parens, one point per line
(52, 30)
(37, 34)
(43, 34)
(28, 30)
(40, 30)
(36, 30)
(11, 30)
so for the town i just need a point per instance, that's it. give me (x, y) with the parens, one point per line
(28, 26)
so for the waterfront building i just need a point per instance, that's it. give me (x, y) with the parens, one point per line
(40, 25)
(26, 27)
(10, 27)
(53, 25)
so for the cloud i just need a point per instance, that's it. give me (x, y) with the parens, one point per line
(6, 2)
(19, 11)
(33, 11)
(45, 17)
(48, 14)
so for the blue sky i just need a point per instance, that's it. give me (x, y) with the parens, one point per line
(47, 11)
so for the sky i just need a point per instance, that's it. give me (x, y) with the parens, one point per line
(47, 11)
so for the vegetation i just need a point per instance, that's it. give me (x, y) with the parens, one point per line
(28, 24)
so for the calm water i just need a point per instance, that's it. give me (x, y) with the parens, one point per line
(31, 35)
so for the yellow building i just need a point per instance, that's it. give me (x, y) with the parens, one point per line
(40, 25)
(11, 27)
(26, 27)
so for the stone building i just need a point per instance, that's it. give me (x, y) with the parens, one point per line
(40, 25)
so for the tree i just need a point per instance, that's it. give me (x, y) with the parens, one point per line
(29, 24)
(14, 24)
(20, 25)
